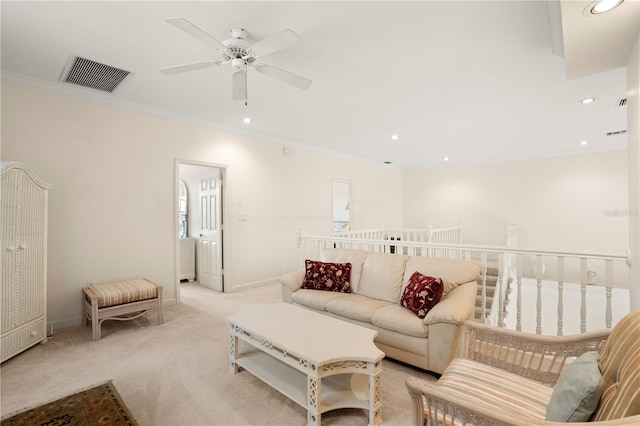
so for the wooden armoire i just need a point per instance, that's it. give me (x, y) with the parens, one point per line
(23, 291)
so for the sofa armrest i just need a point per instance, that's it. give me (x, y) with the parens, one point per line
(538, 357)
(456, 308)
(290, 283)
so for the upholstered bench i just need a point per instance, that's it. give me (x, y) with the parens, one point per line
(117, 301)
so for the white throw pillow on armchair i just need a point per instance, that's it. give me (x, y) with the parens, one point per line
(577, 392)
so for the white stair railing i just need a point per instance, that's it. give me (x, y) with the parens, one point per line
(540, 294)
(448, 235)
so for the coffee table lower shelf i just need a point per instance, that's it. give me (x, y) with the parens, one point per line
(337, 391)
(320, 363)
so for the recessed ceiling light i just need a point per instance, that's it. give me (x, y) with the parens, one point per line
(445, 159)
(387, 162)
(587, 100)
(603, 6)
(247, 120)
(394, 137)
(583, 143)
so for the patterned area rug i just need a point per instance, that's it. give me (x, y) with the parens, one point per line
(101, 405)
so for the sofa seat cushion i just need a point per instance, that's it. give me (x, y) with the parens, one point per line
(401, 342)
(316, 299)
(396, 318)
(355, 307)
(495, 389)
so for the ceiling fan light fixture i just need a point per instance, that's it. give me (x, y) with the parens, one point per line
(603, 6)
(239, 66)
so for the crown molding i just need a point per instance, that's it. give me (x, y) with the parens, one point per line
(93, 95)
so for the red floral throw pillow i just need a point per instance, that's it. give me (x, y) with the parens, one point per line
(327, 276)
(422, 294)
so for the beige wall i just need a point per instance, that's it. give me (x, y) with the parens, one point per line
(112, 207)
(576, 203)
(561, 203)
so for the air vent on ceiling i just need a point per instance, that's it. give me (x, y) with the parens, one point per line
(88, 73)
(622, 102)
(619, 132)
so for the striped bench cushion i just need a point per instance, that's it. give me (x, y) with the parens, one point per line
(122, 292)
(496, 389)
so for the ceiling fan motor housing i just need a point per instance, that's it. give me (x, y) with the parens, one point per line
(237, 47)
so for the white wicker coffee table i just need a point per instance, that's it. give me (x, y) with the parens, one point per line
(319, 362)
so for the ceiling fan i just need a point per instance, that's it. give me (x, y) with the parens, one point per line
(240, 53)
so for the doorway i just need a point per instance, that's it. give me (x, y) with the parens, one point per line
(200, 224)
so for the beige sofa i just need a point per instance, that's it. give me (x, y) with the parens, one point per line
(377, 284)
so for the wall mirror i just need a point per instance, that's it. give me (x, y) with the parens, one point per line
(341, 204)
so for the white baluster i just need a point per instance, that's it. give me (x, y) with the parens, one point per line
(519, 263)
(500, 290)
(560, 293)
(483, 305)
(539, 271)
(608, 282)
(583, 295)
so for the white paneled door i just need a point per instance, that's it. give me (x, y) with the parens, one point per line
(209, 242)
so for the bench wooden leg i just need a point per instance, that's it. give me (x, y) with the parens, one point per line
(95, 321)
(160, 317)
(85, 320)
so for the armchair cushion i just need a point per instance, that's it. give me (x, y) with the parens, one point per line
(577, 392)
(494, 389)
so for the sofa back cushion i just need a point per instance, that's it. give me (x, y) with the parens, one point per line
(620, 368)
(354, 257)
(453, 272)
(382, 276)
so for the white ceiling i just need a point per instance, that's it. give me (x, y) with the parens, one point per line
(473, 81)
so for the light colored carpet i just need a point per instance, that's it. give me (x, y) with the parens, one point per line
(177, 373)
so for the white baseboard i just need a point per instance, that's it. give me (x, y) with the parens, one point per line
(252, 285)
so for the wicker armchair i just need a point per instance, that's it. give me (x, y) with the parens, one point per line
(504, 377)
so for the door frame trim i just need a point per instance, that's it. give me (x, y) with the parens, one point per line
(176, 218)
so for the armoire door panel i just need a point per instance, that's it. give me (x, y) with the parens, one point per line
(23, 291)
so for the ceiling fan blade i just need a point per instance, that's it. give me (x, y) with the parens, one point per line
(196, 32)
(285, 76)
(239, 82)
(189, 67)
(282, 40)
